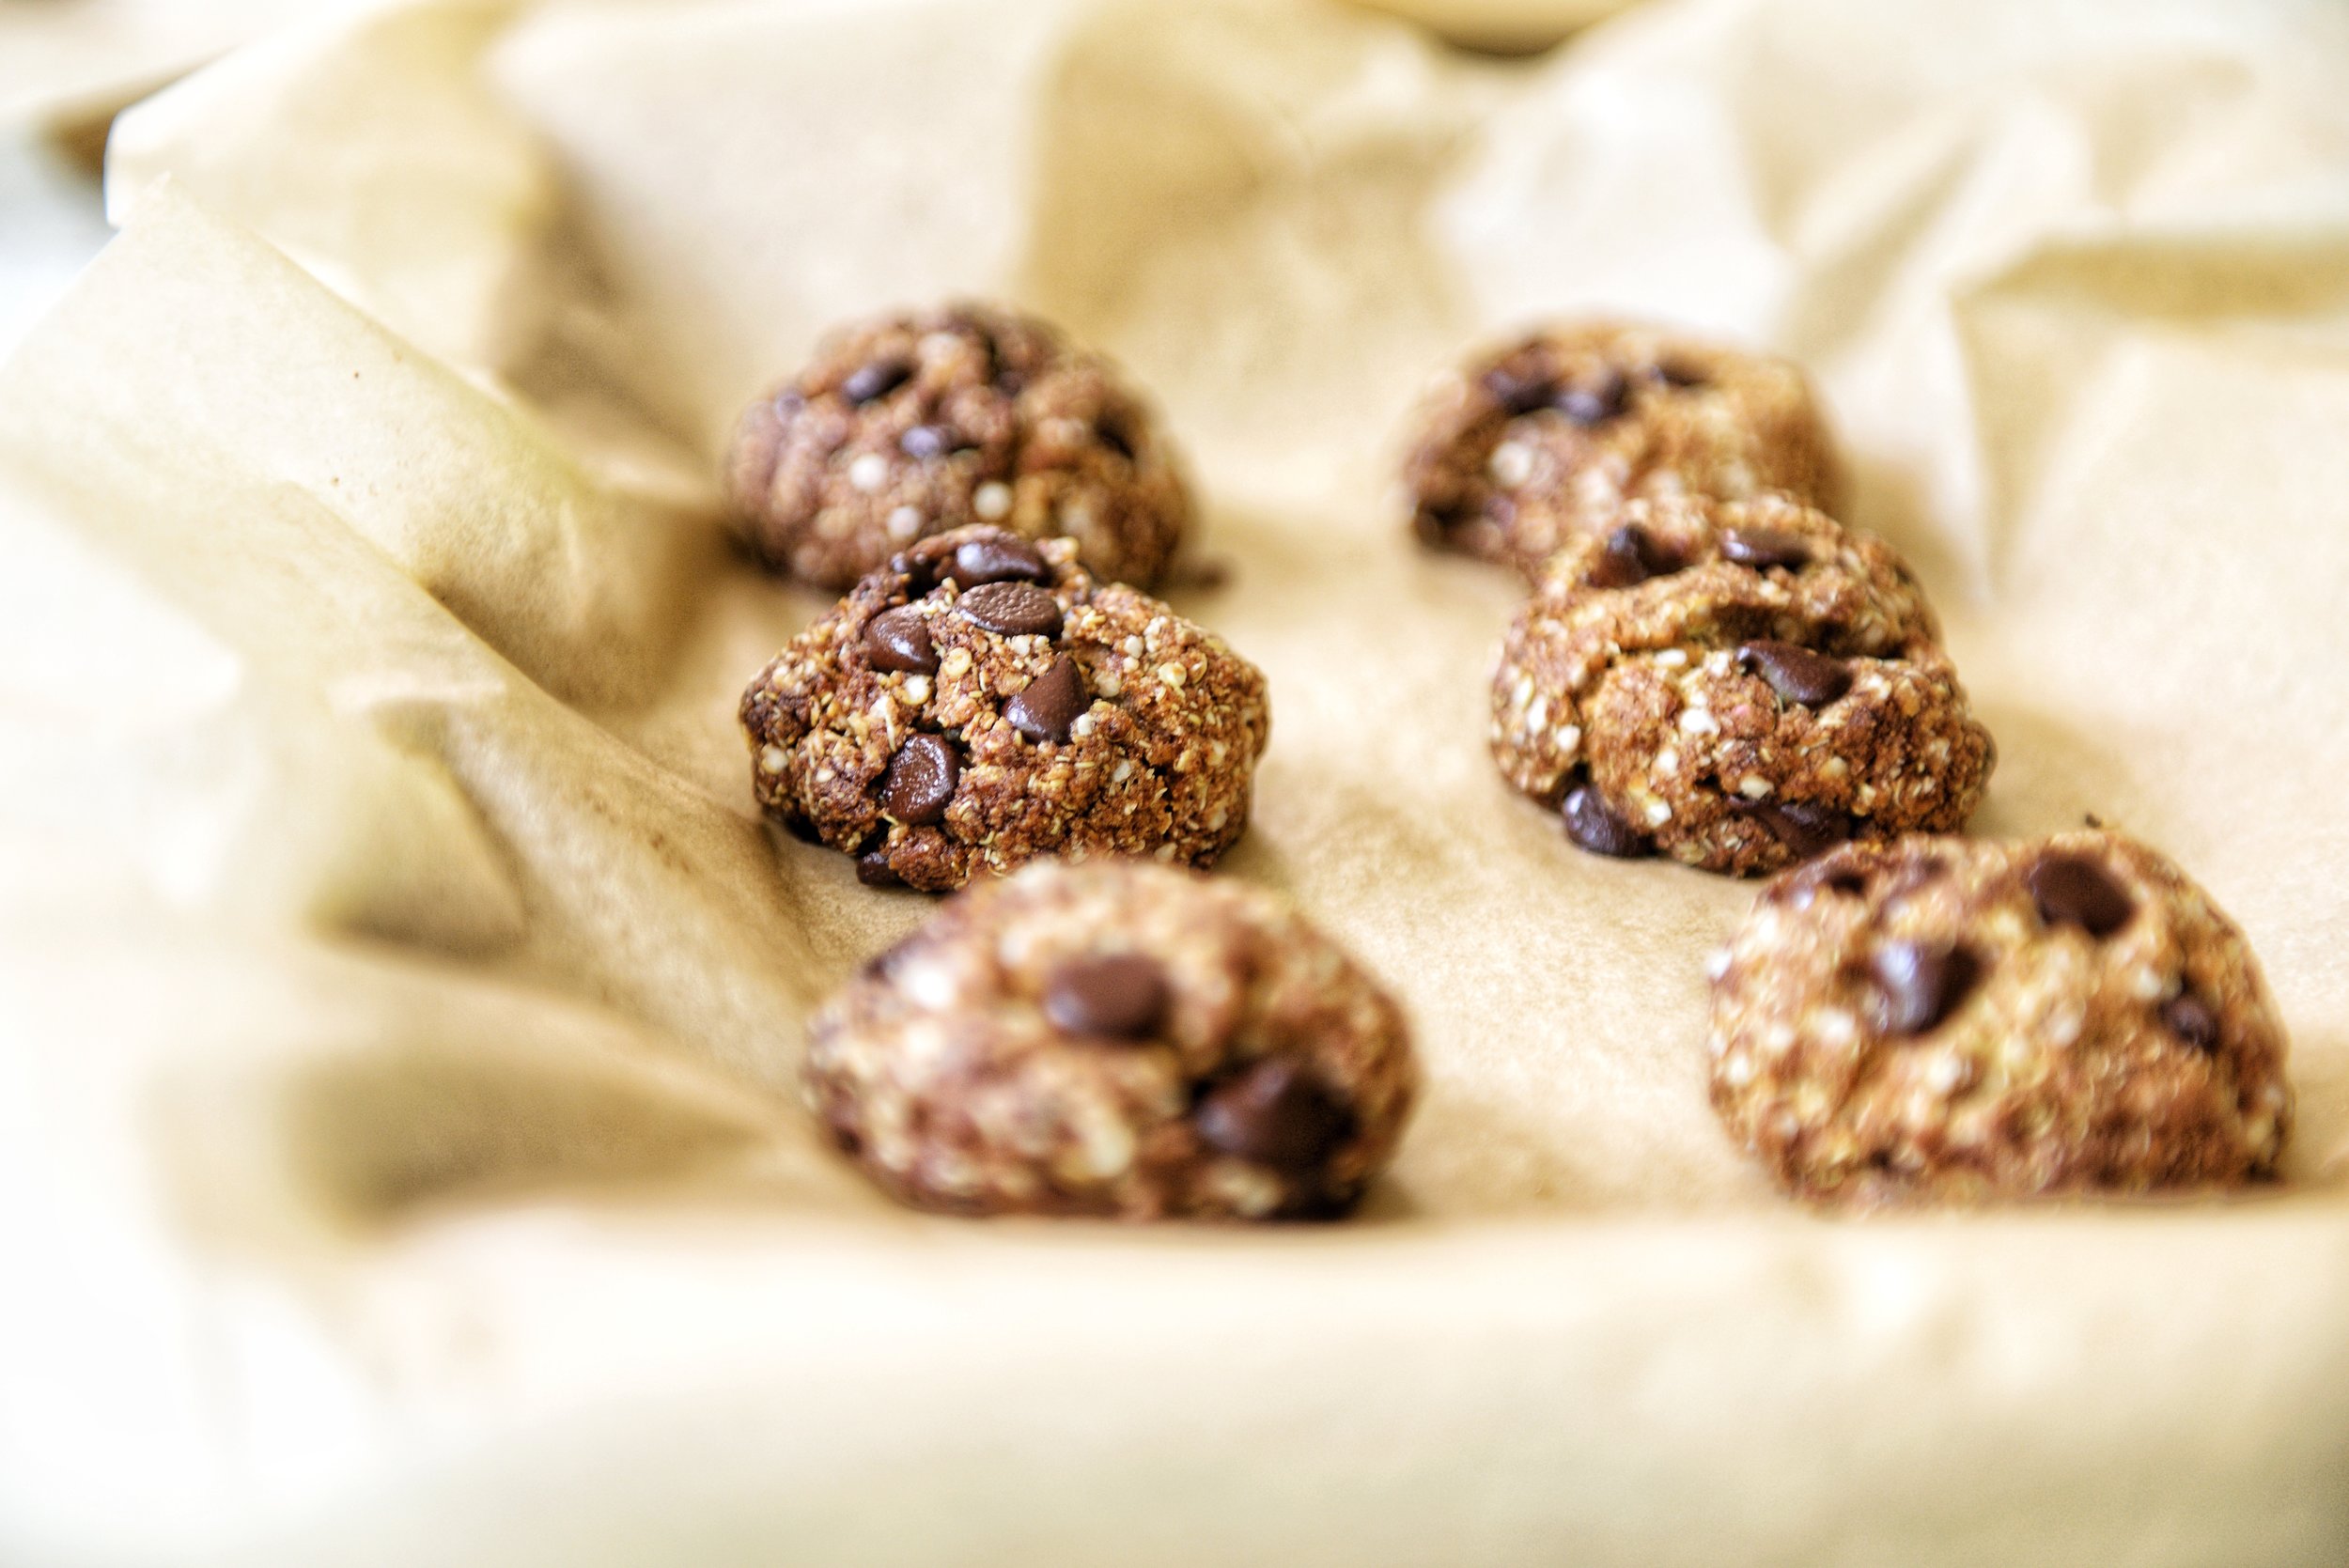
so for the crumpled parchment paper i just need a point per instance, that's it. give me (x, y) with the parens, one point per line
(401, 998)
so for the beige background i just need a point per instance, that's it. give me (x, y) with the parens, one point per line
(399, 980)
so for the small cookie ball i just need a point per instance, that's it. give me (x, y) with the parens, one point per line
(913, 425)
(1736, 684)
(981, 701)
(1120, 1040)
(1946, 1018)
(1539, 442)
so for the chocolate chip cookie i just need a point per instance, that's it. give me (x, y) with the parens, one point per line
(916, 424)
(1947, 1018)
(1116, 1038)
(1540, 440)
(980, 700)
(1734, 684)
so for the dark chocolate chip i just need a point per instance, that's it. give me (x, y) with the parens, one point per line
(1592, 825)
(1846, 881)
(1798, 673)
(1046, 708)
(1116, 436)
(876, 379)
(1121, 995)
(1673, 374)
(2076, 889)
(1012, 609)
(1602, 400)
(872, 869)
(925, 442)
(899, 639)
(1516, 391)
(920, 781)
(1922, 983)
(2190, 1018)
(996, 556)
(1277, 1113)
(1764, 548)
(1806, 827)
(1434, 524)
(1631, 556)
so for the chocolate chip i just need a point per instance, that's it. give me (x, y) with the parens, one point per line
(920, 781)
(1116, 436)
(1922, 983)
(872, 869)
(876, 379)
(1806, 827)
(1764, 548)
(1848, 882)
(1597, 403)
(1012, 609)
(1673, 374)
(1276, 1113)
(1798, 673)
(1517, 391)
(2189, 1018)
(996, 556)
(899, 639)
(1592, 824)
(925, 442)
(1631, 555)
(2074, 890)
(1048, 706)
(1121, 995)
(1434, 524)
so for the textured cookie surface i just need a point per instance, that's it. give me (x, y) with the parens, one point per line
(1736, 685)
(981, 701)
(916, 424)
(1116, 1038)
(1539, 441)
(1947, 1018)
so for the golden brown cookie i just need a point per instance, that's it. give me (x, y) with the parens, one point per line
(1736, 685)
(1539, 441)
(912, 425)
(980, 700)
(1952, 1020)
(1117, 1039)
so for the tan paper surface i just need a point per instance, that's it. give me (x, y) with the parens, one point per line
(401, 997)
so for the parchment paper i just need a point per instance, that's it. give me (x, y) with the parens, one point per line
(396, 1160)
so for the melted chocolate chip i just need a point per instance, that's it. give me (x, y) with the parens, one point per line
(920, 781)
(2190, 1018)
(1595, 404)
(899, 639)
(1434, 524)
(1806, 827)
(2076, 890)
(1048, 705)
(1012, 609)
(876, 379)
(1121, 995)
(1116, 436)
(872, 869)
(1922, 982)
(1517, 391)
(996, 556)
(1765, 548)
(1631, 556)
(1798, 673)
(1592, 824)
(925, 442)
(1278, 1113)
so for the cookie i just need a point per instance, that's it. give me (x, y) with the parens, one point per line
(913, 425)
(980, 700)
(1539, 442)
(1954, 1019)
(1116, 1038)
(1736, 685)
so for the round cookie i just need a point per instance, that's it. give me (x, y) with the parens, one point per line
(981, 701)
(1116, 1038)
(1540, 441)
(1736, 685)
(1948, 1018)
(913, 424)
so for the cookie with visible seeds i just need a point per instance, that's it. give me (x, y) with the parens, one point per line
(1539, 441)
(1954, 1019)
(981, 701)
(1736, 685)
(1118, 1039)
(915, 423)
